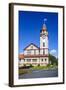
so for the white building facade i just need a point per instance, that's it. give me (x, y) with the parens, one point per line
(34, 55)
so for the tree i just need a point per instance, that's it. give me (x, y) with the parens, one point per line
(53, 60)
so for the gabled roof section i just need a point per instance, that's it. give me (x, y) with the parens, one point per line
(21, 56)
(31, 44)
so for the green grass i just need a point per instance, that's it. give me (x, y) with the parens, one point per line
(25, 71)
(39, 67)
(43, 67)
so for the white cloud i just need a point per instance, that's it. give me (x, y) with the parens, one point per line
(53, 51)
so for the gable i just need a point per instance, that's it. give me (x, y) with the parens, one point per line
(31, 46)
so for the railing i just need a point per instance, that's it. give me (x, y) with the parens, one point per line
(42, 51)
(34, 53)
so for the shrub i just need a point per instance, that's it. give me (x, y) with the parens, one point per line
(48, 65)
(31, 65)
(38, 65)
(53, 59)
(24, 65)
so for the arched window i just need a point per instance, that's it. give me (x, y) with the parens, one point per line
(43, 44)
(45, 59)
(42, 60)
(43, 51)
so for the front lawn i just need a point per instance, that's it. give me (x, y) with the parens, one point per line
(23, 71)
(44, 67)
(29, 70)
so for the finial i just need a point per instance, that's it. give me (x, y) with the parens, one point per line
(45, 19)
(44, 25)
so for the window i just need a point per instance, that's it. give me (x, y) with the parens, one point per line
(29, 52)
(34, 51)
(42, 60)
(43, 44)
(19, 59)
(24, 60)
(31, 47)
(45, 59)
(28, 60)
(43, 51)
(34, 60)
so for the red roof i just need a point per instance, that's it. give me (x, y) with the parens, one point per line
(22, 56)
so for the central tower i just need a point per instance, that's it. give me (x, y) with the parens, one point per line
(44, 40)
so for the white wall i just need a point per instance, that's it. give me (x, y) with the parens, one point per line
(45, 40)
(26, 51)
(46, 62)
(32, 59)
(4, 45)
(31, 48)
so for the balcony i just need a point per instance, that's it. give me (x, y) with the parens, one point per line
(34, 53)
(31, 52)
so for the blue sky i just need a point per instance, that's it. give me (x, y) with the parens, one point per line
(30, 24)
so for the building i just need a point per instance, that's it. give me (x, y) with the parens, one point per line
(34, 55)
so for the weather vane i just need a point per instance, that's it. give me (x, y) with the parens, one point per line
(45, 19)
